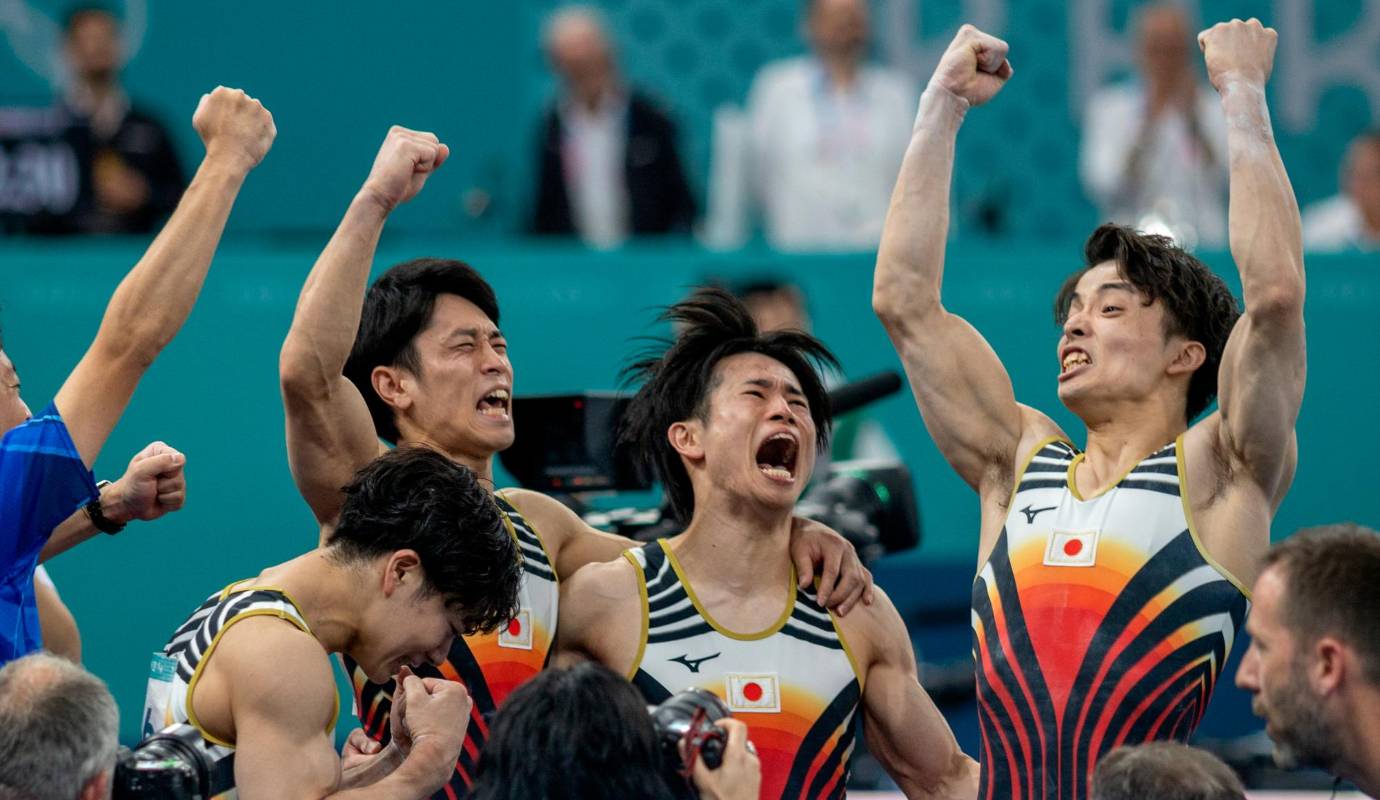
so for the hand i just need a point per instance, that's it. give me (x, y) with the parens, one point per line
(362, 754)
(974, 67)
(739, 777)
(843, 580)
(153, 485)
(435, 716)
(235, 127)
(406, 159)
(1238, 50)
(397, 715)
(118, 188)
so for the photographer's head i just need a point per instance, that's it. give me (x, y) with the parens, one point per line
(1165, 771)
(434, 553)
(58, 731)
(728, 407)
(582, 732)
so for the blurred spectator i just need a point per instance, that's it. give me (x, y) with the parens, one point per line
(1155, 151)
(135, 177)
(58, 731)
(826, 135)
(781, 305)
(608, 166)
(1350, 220)
(1313, 665)
(585, 732)
(1165, 771)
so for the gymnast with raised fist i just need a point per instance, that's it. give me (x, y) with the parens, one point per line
(1111, 578)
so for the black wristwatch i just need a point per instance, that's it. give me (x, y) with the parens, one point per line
(98, 518)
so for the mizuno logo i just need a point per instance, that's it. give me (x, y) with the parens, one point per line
(1031, 512)
(692, 664)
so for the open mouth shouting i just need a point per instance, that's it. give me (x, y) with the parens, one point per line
(1073, 360)
(496, 405)
(776, 457)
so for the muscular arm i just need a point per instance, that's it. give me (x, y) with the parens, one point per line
(280, 708)
(601, 618)
(904, 728)
(963, 391)
(154, 299)
(330, 433)
(1261, 379)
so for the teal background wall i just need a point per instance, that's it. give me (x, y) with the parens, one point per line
(570, 317)
(336, 75)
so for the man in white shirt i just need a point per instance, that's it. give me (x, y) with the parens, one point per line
(1154, 151)
(827, 133)
(608, 166)
(1351, 220)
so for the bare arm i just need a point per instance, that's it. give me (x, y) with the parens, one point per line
(600, 617)
(1261, 379)
(55, 621)
(330, 433)
(964, 392)
(904, 728)
(154, 299)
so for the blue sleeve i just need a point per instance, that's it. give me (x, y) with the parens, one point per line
(42, 481)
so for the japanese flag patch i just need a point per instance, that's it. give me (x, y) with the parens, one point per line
(517, 634)
(754, 693)
(1071, 549)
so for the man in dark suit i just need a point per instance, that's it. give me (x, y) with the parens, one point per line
(608, 167)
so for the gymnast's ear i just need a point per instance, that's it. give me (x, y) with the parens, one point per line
(686, 438)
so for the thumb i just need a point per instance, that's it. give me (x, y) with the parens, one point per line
(159, 464)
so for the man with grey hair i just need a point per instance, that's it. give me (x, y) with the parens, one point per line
(59, 730)
(1165, 771)
(1313, 666)
(608, 165)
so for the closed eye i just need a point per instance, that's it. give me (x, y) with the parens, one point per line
(800, 403)
(756, 394)
(1110, 309)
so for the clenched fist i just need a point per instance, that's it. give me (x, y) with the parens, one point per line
(974, 66)
(153, 485)
(1238, 50)
(235, 127)
(406, 159)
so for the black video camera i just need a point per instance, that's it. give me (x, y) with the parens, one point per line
(174, 763)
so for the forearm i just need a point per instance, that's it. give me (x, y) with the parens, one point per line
(424, 771)
(374, 771)
(910, 260)
(1264, 227)
(156, 296)
(78, 527)
(326, 321)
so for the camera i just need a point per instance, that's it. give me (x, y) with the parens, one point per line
(687, 718)
(174, 763)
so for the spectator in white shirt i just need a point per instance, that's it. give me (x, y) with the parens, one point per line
(608, 165)
(1154, 151)
(1351, 220)
(826, 136)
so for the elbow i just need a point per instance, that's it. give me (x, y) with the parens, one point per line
(898, 311)
(300, 374)
(1281, 300)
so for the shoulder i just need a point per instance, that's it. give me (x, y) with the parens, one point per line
(890, 82)
(876, 633)
(603, 586)
(647, 108)
(786, 75)
(551, 519)
(273, 668)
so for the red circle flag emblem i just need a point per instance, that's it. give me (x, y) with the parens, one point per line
(1073, 547)
(752, 692)
(514, 627)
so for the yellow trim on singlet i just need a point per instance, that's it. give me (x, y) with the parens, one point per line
(1073, 471)
(646, 613)
(530, 527)
(206, 656)
(848, 651)
(713, 623)
(1016, 488)
(1192, 529)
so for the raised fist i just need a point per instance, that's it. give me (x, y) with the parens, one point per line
(974, 67)
(153, 485)
(1238, 50)
(406, 159)
(235, 127)
(437, 712)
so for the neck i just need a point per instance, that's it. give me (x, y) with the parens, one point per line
(733, 544)
(325, 592)
(842, 70)
(1118, 440)
(1359, 761)
(481, 464)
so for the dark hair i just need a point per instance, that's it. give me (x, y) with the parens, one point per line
(572, 734)
(1333, 578)
(74, 15)
(1197, 304)
(414, 498)
(679, 378)
(1164, 771)
(396, 308)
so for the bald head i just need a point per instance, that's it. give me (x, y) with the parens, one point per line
(580, 52)
(58, 730)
